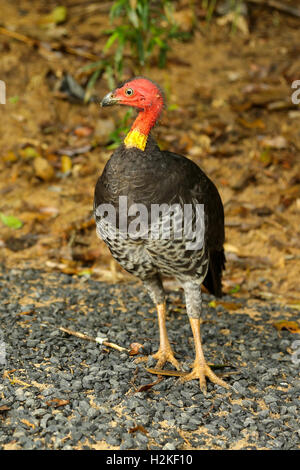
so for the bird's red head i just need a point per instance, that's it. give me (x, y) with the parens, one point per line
(139, 93)
(147, 97)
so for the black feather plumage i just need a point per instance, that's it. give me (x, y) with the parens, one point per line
(156, 177)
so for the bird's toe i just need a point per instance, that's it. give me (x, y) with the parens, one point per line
(165, 355)
(201, 372)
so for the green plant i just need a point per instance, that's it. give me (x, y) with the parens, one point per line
(97, 69)
(209, 6)
(140, 29)
(143, 25)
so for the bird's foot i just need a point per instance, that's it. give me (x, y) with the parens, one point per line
(165, 355)
(162, 356)
(201, 371)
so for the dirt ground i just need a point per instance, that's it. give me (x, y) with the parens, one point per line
(230, 110)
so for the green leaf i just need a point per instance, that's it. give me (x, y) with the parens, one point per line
(142, 26)
(10, 221)
(94, 65)
(29, 152)
(110, 76)
(111, 40)
(119, 55)
(235, 289)
(116, 9)
(133, 18)
(57, 15)
(140, 48)
(162, 56)
(85, 272)
(173, 107)
(114, 145)
(13, 99)
(144, 14)
(160, 43)
(93, 79)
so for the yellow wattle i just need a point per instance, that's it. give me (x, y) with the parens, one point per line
(134, 138)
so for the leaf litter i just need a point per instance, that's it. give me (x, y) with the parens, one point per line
(234, 118)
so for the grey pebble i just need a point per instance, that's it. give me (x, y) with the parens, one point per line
(99, 385)
(169, 446)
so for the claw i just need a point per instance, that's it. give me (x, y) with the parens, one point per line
(166, 355)
(200, 368)
(162, 356)
(201, 371)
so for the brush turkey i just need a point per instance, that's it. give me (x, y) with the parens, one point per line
(142, 177)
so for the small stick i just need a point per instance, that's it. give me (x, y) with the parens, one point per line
(179, 373)
(35, 42)
(79, 53)
(91, 338)
(18, 36)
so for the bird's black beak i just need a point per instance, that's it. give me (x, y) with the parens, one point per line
(109, 99)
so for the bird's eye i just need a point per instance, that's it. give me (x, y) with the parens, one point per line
(129, 91)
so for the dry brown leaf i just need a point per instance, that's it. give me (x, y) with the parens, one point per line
(135, 349)
(185, 19)
(43, 169)
(72, 151)
(231, 248)
(28, 423)
(291, 326)
(278, 142)
(83, 131)
(89, 255)
(139, 427)
(4, 408)
(12, 445)
(229, 305)
(146, 387)
(49, 210)
(256, 124)
(56, 402)
(80, 225)
(33, 216)
(10, 157)
(27, 312)
(239, 21)
(66, 163)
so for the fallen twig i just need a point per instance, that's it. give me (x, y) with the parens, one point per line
(179, 373)
(91, 338)
(171, 373)
(18, 36)
(35, 42)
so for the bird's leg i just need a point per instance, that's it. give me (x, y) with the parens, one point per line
(165, 352)
(201, 369)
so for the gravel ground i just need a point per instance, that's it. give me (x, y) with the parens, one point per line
(61, 392)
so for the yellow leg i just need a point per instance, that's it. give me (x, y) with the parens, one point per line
(165, 352)
(200, 368)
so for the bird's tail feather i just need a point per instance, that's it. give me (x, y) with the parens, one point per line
(213, 279)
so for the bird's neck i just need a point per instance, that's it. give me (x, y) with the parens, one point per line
(139, 132)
